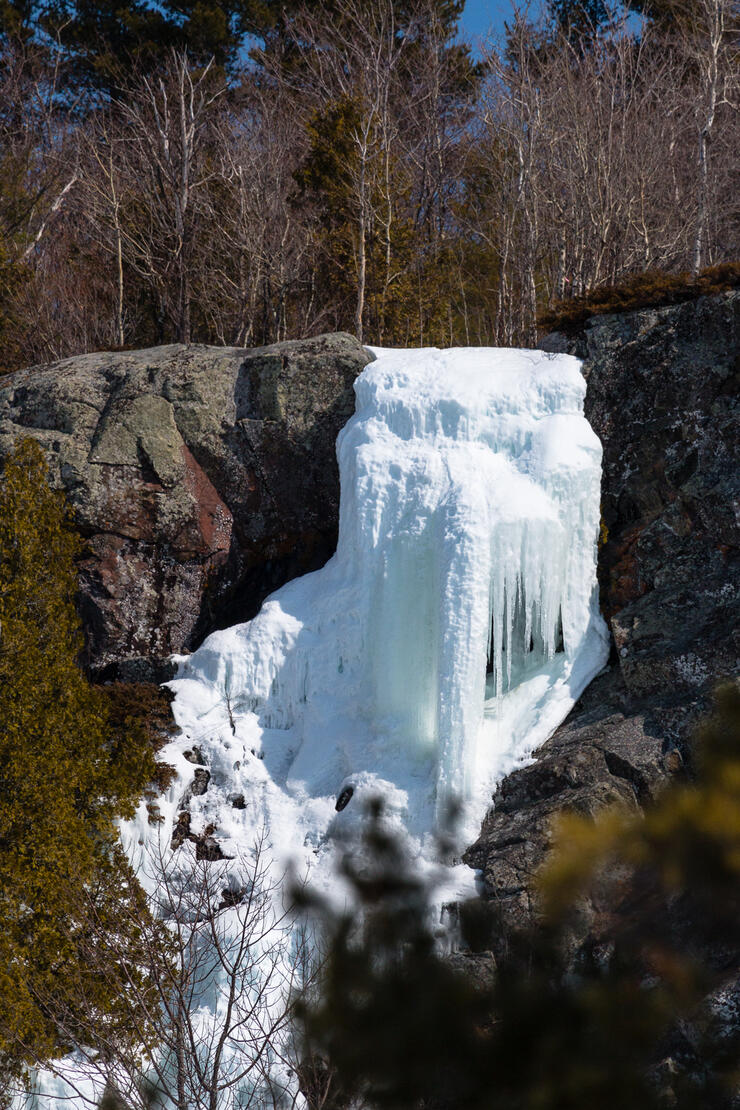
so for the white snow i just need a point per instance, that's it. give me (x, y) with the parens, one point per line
(468, 523)
(446, 639)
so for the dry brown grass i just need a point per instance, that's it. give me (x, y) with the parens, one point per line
(648, 290)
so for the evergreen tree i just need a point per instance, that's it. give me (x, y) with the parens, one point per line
(102, 43)
(578, 18)
(65, 773)
(16, 19)
(269, 18)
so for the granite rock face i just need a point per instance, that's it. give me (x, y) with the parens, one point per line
(663, 398)
(202, 478)
(606, 751)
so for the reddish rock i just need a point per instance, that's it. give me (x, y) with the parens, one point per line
(201, 477)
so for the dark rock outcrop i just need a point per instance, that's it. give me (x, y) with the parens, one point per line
(202, 478)
(662, 397)
(606, 751)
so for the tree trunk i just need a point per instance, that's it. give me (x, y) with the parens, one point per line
(182, 1102)
(361, 277)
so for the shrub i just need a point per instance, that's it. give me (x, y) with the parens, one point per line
(68, 767)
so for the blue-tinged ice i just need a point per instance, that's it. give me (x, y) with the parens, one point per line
(458, 620)
(446, 639)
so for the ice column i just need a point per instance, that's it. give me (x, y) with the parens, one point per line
(457, 621)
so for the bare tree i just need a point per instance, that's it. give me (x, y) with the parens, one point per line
(515, 140)
(708, 32)
(209, 1024)
(103, 189)
(167, 130)
(616, 123)
(587, 162)
(36, 144)
(264, 239)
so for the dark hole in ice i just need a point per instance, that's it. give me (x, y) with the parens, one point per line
(344, 797)
(491, 651)
(524, 648)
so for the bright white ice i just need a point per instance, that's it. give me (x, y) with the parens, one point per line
(443, 643)
(467, 544)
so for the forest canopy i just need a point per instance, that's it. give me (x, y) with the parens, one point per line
(243, 173)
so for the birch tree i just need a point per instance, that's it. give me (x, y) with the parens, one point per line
(168, 124)
(708, 33)
(265, 240)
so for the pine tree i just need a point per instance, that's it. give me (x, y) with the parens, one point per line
(579, 18)
(65, 773)
(101, 44)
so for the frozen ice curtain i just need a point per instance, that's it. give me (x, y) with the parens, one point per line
(457, 622)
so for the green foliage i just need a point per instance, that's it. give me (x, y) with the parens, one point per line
(324, 179)
(410, 279)
(648, 290)
(667, 14)
(395, 1022)
(16, 19)
(102, 42)
(573, 1015)
(145, 709)
(579, 18)
(67, 769)
(269, 18)
(327, 181)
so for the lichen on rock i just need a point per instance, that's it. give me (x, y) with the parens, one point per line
(201, 478)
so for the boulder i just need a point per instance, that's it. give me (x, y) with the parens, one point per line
(202, 478)
(607, 751)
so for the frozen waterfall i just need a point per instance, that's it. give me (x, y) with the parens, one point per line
(448, 636)
(457, 622)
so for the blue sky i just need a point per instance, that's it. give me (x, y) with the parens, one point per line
(480, 16)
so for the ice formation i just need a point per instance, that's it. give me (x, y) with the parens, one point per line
(445, 640)
(457, 622)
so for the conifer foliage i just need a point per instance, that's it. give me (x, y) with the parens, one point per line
(620, 994)
(65, 772)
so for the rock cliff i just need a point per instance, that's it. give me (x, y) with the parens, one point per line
(662, 396)
(201, 477)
